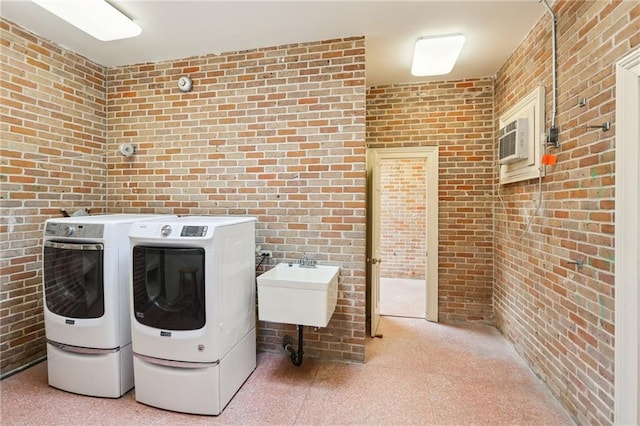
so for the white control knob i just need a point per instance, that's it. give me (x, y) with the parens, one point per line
(165, 231)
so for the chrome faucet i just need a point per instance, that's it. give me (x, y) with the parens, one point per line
(307, 262)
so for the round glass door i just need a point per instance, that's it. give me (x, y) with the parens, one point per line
(73, 279)
(168, 287)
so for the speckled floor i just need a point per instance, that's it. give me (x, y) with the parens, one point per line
(418, 373)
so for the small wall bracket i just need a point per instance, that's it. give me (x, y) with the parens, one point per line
(605, 126)
(579, 263)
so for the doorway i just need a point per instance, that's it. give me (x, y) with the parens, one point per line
(403, 236)
(402, 249)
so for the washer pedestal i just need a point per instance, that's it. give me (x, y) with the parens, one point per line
(108, 374)
(186, 388)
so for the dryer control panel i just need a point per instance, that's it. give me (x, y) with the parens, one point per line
(186, 231)
(194, 231)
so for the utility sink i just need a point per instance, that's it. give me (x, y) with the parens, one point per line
(291, 294)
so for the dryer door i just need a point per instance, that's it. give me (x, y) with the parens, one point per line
(168, 287)
(73, 279)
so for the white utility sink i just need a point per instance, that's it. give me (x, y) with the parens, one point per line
(292, 294)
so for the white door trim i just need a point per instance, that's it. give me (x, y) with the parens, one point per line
(430, 153)
(627, 243)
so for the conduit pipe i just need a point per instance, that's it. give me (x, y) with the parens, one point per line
(552, 137)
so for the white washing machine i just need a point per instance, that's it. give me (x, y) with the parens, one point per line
(86, 303)
(193, 311)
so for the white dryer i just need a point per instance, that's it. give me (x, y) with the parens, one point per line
(86, 303)
(193, 311)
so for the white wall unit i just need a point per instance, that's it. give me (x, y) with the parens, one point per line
(531, 109)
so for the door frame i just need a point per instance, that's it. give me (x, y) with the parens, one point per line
(627, 245)
(430, 154)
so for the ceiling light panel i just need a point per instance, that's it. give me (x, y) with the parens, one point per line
(95, 17)
(436, 55)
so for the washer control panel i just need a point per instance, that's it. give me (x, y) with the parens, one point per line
(75, 230)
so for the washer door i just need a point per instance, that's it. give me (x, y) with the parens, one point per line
(74, 279)
(168, 287)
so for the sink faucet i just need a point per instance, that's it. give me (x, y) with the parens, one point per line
(307, 262)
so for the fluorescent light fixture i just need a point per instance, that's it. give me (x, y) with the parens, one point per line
(95, 17)
(436, 55)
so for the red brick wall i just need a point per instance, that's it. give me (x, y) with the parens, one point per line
(52, 157)
(275, 133)
(457, 116)
(561, 318)
(403, 219)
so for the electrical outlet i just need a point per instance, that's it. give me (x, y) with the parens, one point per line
(266, 253)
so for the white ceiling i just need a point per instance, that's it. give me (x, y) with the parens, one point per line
(173, 29)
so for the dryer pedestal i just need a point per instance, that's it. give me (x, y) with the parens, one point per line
(185, 388)
(108, 375)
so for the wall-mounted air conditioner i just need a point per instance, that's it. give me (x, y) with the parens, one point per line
(513, 141)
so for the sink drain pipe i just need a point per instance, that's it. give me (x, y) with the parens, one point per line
(287, 344)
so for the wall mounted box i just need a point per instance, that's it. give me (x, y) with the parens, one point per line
(528, 165)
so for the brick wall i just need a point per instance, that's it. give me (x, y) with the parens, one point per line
(255, 138)
(52, 157)
(275, 133)
(403, 218)
(456, 116)
(561, 318)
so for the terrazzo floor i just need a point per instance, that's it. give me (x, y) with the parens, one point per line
(418, 373)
